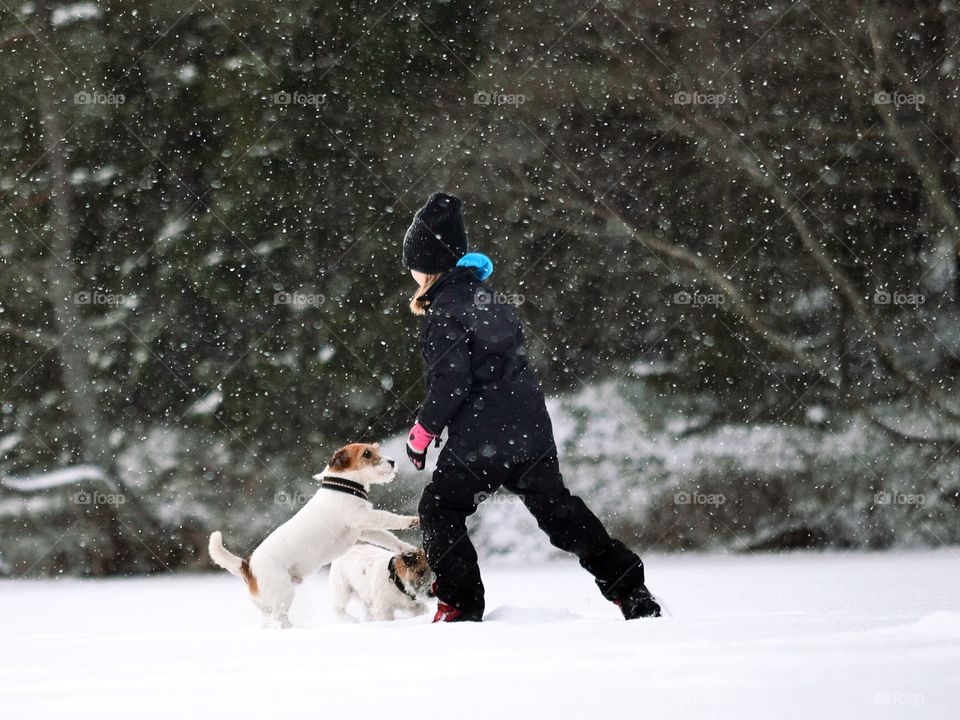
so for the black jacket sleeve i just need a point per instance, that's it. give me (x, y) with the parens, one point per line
(446, 355)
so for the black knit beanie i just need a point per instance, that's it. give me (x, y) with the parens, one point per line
(436, 238)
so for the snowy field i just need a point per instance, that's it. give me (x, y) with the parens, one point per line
(796, 636)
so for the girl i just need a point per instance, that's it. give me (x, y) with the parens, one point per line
(480, 388)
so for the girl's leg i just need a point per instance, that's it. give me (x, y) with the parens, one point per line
(447, 501)
(571, 526)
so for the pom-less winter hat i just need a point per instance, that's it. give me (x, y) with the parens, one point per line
(436, 239)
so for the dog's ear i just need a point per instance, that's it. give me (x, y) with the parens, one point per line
(340, 460)
(410, 559)
(392, 567)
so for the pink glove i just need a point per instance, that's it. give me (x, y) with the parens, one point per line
(417, 444)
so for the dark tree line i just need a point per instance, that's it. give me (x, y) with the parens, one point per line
(203, 207)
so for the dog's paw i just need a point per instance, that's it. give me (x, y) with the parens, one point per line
(413, 521)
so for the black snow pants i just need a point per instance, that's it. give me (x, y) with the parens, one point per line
(453, 495)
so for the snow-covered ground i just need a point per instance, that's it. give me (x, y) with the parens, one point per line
(792, 636)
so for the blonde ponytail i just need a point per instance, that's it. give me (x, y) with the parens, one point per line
(418, 304)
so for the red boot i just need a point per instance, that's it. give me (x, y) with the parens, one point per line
(446, 613)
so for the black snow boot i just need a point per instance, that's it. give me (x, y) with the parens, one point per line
(638, 604)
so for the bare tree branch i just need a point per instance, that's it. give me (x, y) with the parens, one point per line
(34, 337)
(949, 442)
(937, 195)
(753, 163)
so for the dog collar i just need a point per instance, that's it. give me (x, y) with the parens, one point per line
(345, 486)
(392, 567)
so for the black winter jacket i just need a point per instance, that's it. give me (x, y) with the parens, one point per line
(479, 385)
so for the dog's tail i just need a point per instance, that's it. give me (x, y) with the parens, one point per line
(230, 562)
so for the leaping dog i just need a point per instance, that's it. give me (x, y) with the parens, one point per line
(331, 523)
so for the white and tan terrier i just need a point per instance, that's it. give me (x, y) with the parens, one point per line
(388, 585)
(331, 523)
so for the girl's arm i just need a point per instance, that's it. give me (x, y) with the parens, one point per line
(446, 352)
